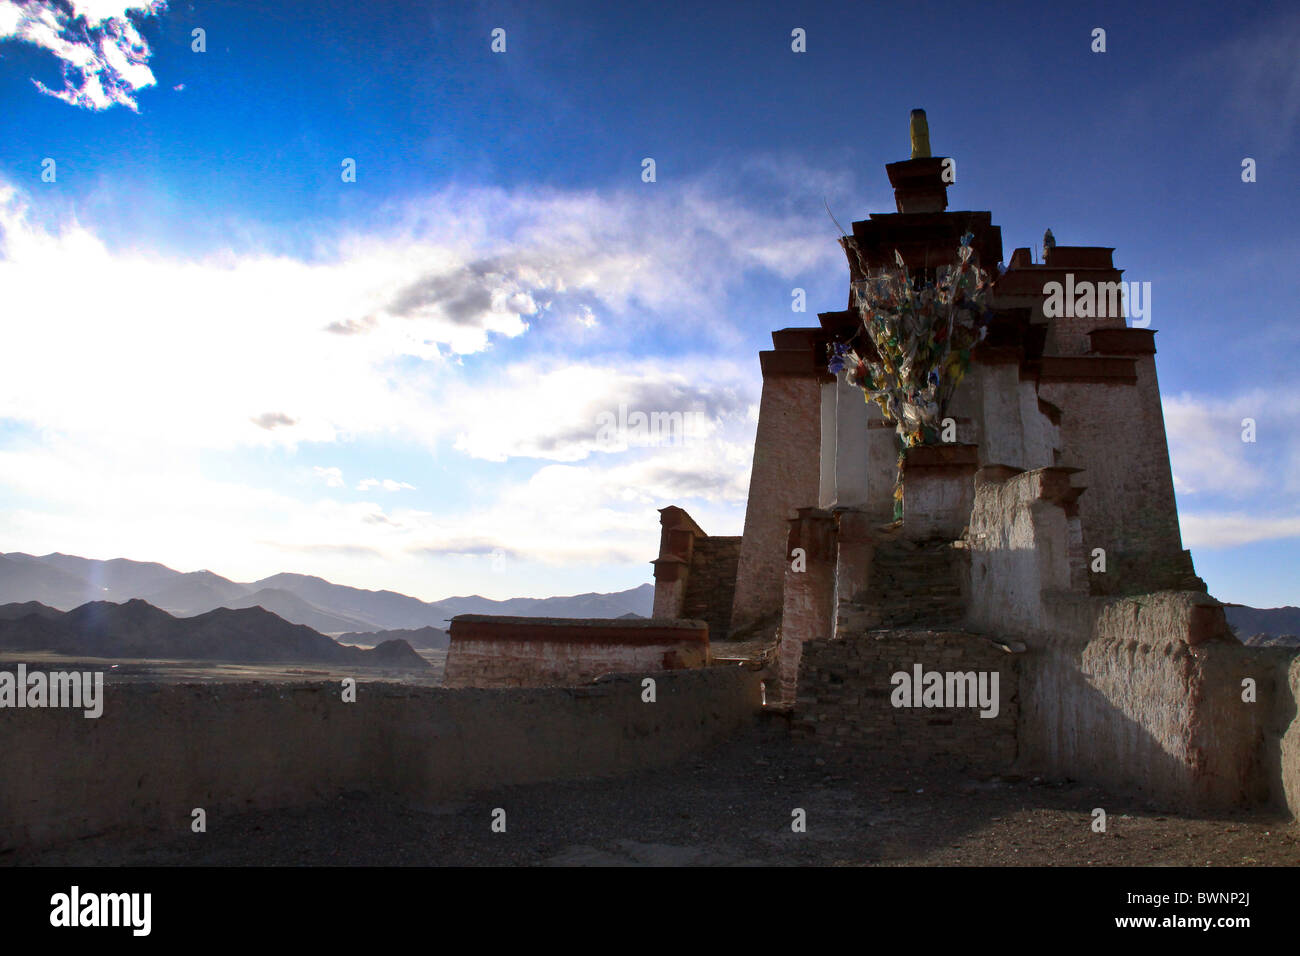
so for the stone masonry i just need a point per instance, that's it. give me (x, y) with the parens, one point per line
(845, 688)
(711, 583)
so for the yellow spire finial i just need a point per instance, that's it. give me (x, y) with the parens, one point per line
(920, 131)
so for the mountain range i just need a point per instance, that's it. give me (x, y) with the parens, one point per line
(136, 629)
(1272, 626)
(65, 582)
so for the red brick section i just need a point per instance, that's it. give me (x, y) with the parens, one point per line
(1123, 341)
(677, 538)
(788, 363)
(803, 339)
(669, 570)
(492, 627)
(1095, 369)
(1025, 281)
(926, 240)
(809, 611)
(918, 184)
(492, 651)
(1079, 257)
(952, 456)
(1208, 623)
(673, 518)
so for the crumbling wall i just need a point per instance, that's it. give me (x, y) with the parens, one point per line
(159, 751)
(1141, 693)
(1146, 698)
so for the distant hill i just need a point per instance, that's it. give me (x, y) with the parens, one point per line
(199, 591)
(429, 638)
(24, 578)
(371, 610)
(65, 582)
(1273, 640)
(1263, 623)
(291, 607)
(639, 601)
(139, 630)
(12, 612)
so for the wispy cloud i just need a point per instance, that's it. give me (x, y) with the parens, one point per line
(1233, 491)
(1207, 450)
(1253, 68)
(231, 350)
(388, 484)
(333, 476)
(1230, 530)
(554, 409)
(104, 58)
(273, 420)
(152, 372)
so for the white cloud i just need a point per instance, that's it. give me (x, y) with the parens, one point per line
(150, 503)
(232, 350)
(104, 57)
(1234, 492)
(1208, 454)
(388, 484)
(566, 411)
(1231, 530)
(142, 374)
(333, 476)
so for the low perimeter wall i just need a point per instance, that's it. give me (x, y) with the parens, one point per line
(489, 650)
(1150, 705)
(159, 751)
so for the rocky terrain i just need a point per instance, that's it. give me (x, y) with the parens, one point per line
(1265, 627)
(425, 638)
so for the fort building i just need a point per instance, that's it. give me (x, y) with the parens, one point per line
(1033, 548)
(1011, 593)
(1041, 539)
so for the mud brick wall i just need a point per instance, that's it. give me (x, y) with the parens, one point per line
(1153, 705)
(845, 688)
(711, 583)
(497, 651)
(160, 750)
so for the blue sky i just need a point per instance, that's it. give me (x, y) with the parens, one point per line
(218, 354)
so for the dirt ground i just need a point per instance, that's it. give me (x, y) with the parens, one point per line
(732, 805)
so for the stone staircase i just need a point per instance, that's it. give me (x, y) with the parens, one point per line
(910, 613)
(916, 584)
(911, 585)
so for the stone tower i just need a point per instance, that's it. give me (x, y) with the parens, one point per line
(1073, 393)
(1038, 546)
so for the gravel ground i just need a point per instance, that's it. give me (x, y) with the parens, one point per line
(730, 806)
